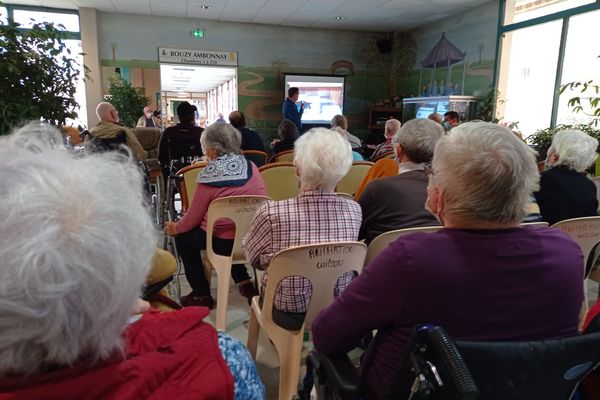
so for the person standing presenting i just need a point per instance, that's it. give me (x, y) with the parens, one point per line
(290, 110)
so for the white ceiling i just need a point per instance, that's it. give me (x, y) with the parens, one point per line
(369, 15)
(190, 78)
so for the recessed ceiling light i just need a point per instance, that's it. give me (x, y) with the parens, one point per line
(206, 7)
(339, 18)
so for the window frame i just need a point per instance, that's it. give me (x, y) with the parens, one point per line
(10, 9)
(565, 16)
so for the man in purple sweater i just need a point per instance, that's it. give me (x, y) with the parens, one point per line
(483, 277)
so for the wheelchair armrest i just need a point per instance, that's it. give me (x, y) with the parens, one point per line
(338, 372)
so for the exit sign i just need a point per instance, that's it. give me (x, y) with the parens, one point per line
(198, 33)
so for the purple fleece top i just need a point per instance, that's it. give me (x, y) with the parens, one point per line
(510, 284)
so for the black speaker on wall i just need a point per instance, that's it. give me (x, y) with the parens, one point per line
(384, 45)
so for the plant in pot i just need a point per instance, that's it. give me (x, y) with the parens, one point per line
(128, 99)
(38, 75)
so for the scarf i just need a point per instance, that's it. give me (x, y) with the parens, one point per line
(226, 170)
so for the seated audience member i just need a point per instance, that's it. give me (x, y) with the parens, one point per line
(148, 120)
(397, 202)
(73, 326)
(451, 120)
(228, 173)
(341, 123)
(250, 139)
(392, 126)
(287, 132)
(482, 277)
(180, 142)
(109, 128)
(380, 169)
(565, 191)
(317, 215)
(435, 117)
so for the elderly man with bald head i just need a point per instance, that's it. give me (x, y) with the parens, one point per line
(109, 128)
(148, 120)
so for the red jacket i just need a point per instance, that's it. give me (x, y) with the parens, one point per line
(169, 356)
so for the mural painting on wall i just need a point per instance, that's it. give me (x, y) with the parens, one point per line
(446, 71)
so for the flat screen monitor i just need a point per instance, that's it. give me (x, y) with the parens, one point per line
(323, 96)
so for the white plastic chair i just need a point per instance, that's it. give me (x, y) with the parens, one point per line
(352, 180)
(240, 210)
(382, 241)
(585, 231)
(322, 265)
(280, 180)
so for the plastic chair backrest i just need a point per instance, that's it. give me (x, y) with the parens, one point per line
(586, 232)
(382, 241)
(256, 156)
(240, 210)
(187, 186)
(352, 180)
(321, 264)
(280, 179)
(287, 155)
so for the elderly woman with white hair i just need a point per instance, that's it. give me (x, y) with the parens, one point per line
(481, 277)
(71, 322)
(317, 215)
(565, 191)
(228, 173)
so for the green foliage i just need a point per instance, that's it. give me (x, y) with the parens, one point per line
(589, 106)
(542, 139)
(38, 75)
(487, 107)
(128, 100)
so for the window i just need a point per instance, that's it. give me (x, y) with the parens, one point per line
(3, 16)
(523, 10)
(531, 72)
(544, 44)
(581, 64)
(27, 18)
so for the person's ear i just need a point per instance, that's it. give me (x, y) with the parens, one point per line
(398, 151)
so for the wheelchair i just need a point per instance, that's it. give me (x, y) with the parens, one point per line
(443, 369)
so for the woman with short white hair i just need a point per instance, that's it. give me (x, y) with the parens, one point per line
(481, 277)
(565, 191)
(228, 173)
(77, 244)
(317, 215)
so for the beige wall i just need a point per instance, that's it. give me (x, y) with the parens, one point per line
(91, 58)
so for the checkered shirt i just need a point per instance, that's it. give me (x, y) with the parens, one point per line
(313, 217)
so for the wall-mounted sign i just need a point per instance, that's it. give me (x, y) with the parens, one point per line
(200, 57)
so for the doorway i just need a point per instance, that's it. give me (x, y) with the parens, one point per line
(213, 90)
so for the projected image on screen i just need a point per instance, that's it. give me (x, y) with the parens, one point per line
(323, 96)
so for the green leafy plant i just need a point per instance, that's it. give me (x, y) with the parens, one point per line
(542, 139)
(129, 100)
(589, 106)
(487, 106)
(38, 75)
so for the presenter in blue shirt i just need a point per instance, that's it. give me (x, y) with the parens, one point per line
(290, 110)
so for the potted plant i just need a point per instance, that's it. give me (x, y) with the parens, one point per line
(38, 75)
(129, 100)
